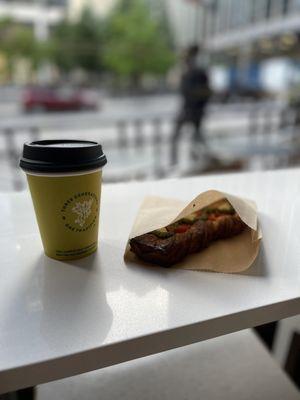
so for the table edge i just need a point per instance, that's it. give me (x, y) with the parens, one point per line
(119, 352)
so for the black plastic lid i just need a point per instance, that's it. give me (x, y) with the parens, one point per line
(62, 156)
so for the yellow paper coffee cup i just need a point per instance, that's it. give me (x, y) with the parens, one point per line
(65, 178)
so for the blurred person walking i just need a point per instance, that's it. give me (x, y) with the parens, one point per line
(195, 92)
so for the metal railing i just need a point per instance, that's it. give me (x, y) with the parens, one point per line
(150, 139)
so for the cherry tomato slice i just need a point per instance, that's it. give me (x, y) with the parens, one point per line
(182, 228)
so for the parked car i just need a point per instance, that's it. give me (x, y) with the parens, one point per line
(58, 99)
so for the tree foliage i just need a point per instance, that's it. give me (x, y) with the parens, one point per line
(136, 43)
(17, 40)
(130, 42)
(78, 43)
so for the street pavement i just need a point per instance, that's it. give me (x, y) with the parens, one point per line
(116, 109)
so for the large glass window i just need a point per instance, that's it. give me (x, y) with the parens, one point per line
(238, 11)
(222, 15)
(259, 10)
(294, 5)
(276, 8)
(286, 6)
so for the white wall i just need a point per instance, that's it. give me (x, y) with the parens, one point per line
(41, 17)
(218, 78)
(276, 74)
(183, 16)
(100, 7)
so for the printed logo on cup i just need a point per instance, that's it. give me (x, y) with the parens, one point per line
(79, 212)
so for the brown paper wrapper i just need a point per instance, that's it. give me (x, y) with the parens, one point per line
(228, 256)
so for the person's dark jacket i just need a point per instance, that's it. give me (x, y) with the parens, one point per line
(195, 89)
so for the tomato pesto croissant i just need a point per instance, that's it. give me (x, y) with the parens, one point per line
(167, 246)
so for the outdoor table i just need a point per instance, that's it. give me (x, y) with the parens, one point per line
(59, 319)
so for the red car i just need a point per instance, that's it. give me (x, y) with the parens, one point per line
(58, 99)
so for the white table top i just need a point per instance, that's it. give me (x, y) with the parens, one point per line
(60, 319)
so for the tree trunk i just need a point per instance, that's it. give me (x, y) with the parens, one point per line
(136, 82)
